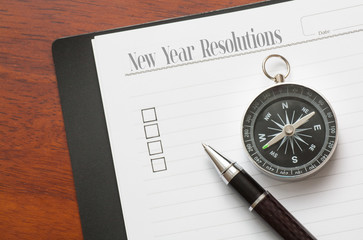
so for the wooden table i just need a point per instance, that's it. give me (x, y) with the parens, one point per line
(37, 195)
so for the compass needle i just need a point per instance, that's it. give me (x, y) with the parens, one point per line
(303, 120)
(273, 135)
(274, 140)
(300, 117)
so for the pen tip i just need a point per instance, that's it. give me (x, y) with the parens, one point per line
(204, 145)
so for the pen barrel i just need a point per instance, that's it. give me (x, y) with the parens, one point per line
(245, 185)
(281, 220)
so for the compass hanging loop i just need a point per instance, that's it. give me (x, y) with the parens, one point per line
(279, 78)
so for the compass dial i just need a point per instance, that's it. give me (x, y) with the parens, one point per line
(289, 131)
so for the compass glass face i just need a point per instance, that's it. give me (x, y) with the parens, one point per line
(289, 131)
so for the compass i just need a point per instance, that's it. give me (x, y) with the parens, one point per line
(289, 130)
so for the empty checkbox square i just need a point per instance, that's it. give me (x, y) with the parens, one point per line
(148, 115)
(152, 131)
(155, 147)
(158, 164)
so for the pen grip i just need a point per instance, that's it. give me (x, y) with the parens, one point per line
(281, 220)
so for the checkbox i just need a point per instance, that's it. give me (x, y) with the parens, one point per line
(158, 164)
(155, 147)
(152, 131)
(148, 115)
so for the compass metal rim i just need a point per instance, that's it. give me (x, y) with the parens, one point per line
(299, 176)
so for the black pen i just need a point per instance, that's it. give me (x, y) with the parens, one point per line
(260, 200)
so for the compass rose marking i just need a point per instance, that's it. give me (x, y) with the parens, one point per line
(300, 139)
(299, 118)
(302, 129)
(292, 118)
(273, 135)
(271, 128)
(282, 143)
(278, 124)
(297, 144)
(289, 130)
(287, 144)
(281, 119)
(292, 145)
(305, 135)
(287, 118)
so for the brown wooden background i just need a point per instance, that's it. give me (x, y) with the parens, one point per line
(37, 196)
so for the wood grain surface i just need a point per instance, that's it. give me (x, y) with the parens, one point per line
(37, 195)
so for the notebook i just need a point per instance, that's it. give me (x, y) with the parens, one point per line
(167, 87)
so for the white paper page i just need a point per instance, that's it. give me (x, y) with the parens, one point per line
(160, 109)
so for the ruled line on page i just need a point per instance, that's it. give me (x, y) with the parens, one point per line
(269, 187)
(294, 196)
(211, 168)
(235, 121)
(239, 105)
(203, 228)
(197, 157)
(251, 219)
(246, 205)
(193, 200)
(349, 230)
(253, 75)
(229, 208)
(257, 88)
(237, 135)
(342, 216)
